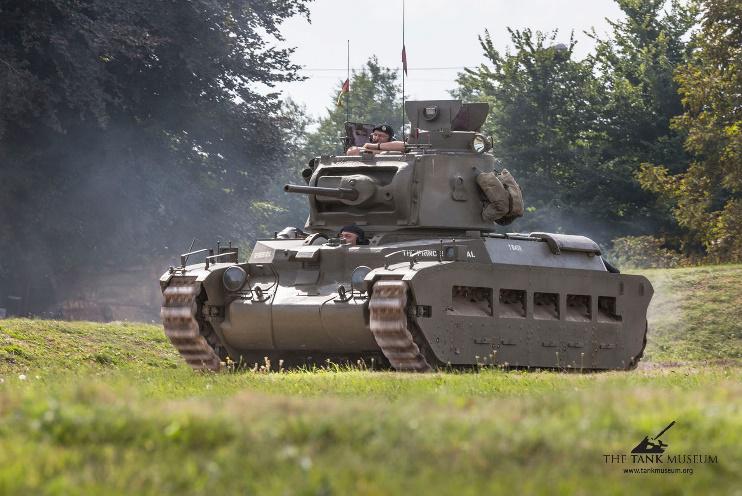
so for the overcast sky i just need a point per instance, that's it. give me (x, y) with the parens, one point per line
(440, 35)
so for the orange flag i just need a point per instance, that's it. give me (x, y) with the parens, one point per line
(345, 89)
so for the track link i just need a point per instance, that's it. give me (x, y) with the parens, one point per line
(388, 309)
(179, 317)
(635, 361)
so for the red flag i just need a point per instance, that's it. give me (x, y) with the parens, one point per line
(345, 89)
(404, 59)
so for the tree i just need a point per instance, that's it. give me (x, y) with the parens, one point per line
(128, 127)
(375, 98)
(636, 65)
(276, 208)
(576, 132)
(544, 106)
(706, 197)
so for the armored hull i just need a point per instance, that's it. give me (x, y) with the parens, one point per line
(495, 299)
(436, 286)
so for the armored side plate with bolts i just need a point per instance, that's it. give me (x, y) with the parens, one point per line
(435, 286)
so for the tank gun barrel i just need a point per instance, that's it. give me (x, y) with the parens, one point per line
(339, 193)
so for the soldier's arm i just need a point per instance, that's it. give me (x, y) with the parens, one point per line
(391, 146)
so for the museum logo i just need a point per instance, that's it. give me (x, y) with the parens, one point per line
(652, 451)
(652, 445)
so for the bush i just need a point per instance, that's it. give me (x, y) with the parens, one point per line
(643, 252)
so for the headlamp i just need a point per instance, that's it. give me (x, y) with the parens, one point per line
(234, 278)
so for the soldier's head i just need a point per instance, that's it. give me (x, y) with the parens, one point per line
(382, 134)
(352, 235)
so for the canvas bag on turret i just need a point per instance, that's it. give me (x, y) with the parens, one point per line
(504, 197)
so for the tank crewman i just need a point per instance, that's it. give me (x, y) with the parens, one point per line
(352, 235)
(381, 141)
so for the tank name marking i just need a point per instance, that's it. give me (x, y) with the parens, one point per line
(432, 253)
(515, 247)
(420, 253)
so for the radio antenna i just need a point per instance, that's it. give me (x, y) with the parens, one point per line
(404, 69)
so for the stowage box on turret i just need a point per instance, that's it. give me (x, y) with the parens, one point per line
(435, 285)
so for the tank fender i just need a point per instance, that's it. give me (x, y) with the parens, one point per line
(198, 271)
(567, 242)
(394, 272)
(210, 278)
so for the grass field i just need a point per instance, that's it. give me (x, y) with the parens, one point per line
(90, 408)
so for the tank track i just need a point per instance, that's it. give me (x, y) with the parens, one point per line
(183, 325)
(635, 361)
(388, 319)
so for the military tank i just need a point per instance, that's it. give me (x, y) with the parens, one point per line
(435, 286)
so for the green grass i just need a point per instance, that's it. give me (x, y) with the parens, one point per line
(47, 344)
(695, 314)
(91, 408)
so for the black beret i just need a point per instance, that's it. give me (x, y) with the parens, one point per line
(353, 229)
(386, 128)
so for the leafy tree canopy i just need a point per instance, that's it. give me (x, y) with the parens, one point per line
(544, 108)
(636, 65)
(127, 127)
(706, 197)
(575, 132)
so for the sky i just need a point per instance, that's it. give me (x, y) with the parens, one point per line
(440, 36)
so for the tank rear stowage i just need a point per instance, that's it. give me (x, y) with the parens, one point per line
(436, 284)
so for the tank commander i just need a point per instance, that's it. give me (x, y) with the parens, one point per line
(352, 235)
(381, 141)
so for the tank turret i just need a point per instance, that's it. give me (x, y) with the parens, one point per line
(431, 186)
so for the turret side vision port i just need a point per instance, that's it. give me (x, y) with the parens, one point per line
(480, 143)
